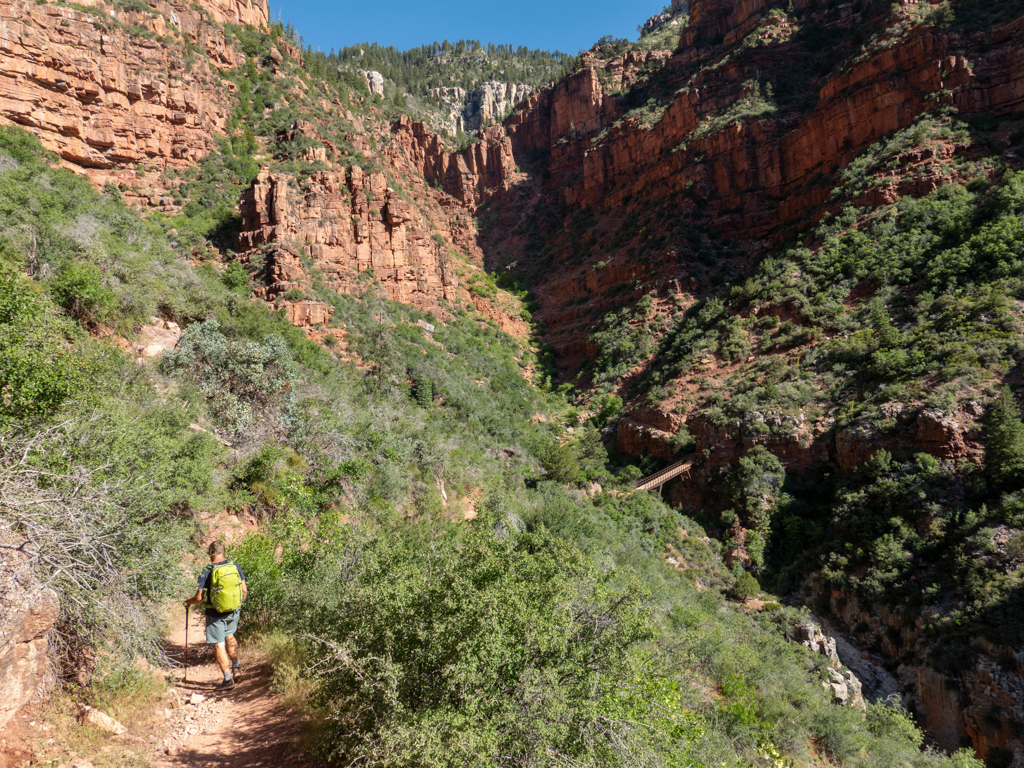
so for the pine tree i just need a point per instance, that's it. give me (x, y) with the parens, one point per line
(424, 393)
(1004, 448)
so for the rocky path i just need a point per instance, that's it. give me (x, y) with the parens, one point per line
(244, 727)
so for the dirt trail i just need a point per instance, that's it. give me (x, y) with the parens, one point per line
(243, 727)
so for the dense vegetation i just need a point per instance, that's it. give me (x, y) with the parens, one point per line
(595, 650)
(464, 64)
(433, 640)
(446, 546)
(888, 331)
(935, 331)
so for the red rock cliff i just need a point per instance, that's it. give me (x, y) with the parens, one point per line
(471, 176)
(102, 94)
(349, 223)
(761, 166)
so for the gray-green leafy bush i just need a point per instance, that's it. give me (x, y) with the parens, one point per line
(248, 384)
(99, 495)
(38, 372)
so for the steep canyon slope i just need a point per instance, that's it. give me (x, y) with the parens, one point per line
(787, 244)
(749, 239)
(125, 85)
(158, 101)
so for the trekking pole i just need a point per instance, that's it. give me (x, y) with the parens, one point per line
(186, 644)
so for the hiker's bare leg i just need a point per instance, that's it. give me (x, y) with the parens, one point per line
(232, 647)
(222, 658)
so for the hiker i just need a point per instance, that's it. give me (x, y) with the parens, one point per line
(224, 584)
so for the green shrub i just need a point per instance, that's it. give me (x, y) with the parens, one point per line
(682, 441)
(424, 393)
(886, 719)
(1004, 444)
(746, 587)
(561, 465)
(609, 407)
(623, 340)
(79, 289)
(235, 277)
(103, 526)
(39, 372)
(756, 483)
(497, 664)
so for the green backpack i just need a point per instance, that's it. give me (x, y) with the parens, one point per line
(225, 587)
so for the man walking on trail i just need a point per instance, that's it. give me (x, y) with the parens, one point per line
(225, 590)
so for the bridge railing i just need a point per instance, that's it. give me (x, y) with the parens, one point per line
(671, 472)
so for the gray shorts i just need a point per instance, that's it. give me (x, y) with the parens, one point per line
(220, 627)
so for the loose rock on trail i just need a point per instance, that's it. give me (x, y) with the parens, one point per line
(240, 727)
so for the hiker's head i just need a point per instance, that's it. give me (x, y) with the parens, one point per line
(216, 550)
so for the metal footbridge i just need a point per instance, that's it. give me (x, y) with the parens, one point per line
(658, 479)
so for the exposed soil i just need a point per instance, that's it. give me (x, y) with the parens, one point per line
(194, 725)
(242, 727)
(18, 737)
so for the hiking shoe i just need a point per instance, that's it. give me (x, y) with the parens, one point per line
(225, 684)
(235, 672)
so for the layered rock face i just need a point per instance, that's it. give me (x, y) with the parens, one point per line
(473, 110)
(712, 138)
(28, 611)
(801, 445)
(103, 90)
(760, 167)
(347, 223)
(474, 175)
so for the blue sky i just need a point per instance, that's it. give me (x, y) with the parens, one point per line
(549, 24)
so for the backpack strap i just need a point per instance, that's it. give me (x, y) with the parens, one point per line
(208, 583)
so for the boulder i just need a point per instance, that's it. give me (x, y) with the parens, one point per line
(101, 721)
(157, 337)
(844, 685)
(374, 81)
(28, 611)
(810, 635)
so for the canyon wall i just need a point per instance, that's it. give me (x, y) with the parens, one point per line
(979, 702)
(347, 222)
(696, 135)
(410, 225)
(351, 222)
(627, 133)
(114, 88)
(119, 93)
(471, 176)
(758, 169)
